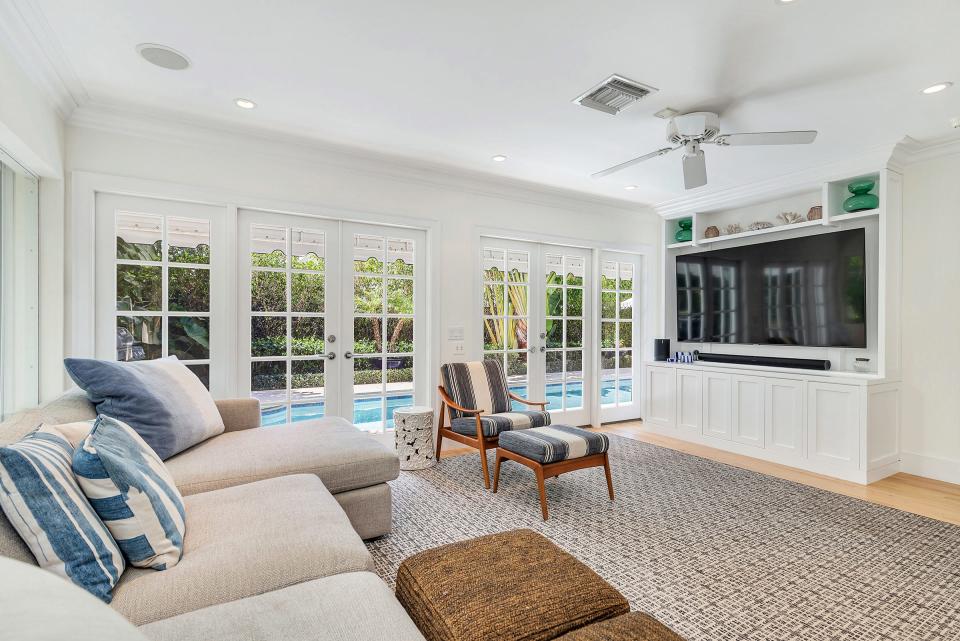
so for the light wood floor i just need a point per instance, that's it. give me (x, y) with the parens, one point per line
(934, 499)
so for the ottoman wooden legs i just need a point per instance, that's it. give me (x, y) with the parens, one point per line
(552, 469)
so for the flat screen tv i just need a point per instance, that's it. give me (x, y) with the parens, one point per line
(803, 291)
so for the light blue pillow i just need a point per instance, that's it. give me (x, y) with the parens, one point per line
(41, 499)
(162, 400)
(132, 491)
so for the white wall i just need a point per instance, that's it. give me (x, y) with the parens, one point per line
(931, 309)
(32, 132)
(256, 169)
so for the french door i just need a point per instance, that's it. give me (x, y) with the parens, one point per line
(536, 319)
(329, 318)
(161, 286)
(619, 284)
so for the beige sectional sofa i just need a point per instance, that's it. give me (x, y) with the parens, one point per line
(275, 519)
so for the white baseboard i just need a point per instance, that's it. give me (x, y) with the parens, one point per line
(941, 469)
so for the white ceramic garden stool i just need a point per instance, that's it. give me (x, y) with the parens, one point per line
(413, 433)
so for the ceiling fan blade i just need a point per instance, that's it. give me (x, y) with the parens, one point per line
(694, 170)
(630, 163)
(768, 138)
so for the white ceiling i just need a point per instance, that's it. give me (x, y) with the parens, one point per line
(457, 82)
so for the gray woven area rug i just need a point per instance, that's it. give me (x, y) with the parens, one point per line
(714, 551)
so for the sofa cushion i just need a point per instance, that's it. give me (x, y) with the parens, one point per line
(341, 455)
(161, 399)
(494, 424)
(477, 385)
(68, 408)
(38, 606)
(129, 487)
(40, 497)
(243, 541)
(356, 606)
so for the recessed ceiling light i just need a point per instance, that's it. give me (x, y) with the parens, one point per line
(163, 56)
(937, 88)
(783, 1)
(243, 103)
(498, 158)
(631, 187)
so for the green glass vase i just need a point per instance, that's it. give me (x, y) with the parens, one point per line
(861, 199)
(685, 233)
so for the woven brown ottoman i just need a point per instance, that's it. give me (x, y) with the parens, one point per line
(515, 586)
(636, 626)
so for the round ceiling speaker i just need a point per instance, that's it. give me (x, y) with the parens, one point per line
(163, 56)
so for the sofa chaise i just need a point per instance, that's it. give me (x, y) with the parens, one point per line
(275, 519)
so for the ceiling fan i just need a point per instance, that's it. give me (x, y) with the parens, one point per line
(690, 131)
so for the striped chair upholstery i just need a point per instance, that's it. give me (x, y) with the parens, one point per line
(555, 443)
(482, 385)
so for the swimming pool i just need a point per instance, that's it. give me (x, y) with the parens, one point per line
(367, 411)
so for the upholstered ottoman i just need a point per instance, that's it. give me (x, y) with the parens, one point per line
(553, 450)
(635, 626)
(513, 585)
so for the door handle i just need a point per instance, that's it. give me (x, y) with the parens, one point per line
(348, 355)
(542, 349)
(330, 355)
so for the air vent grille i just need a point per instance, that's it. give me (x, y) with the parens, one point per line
(614, 94)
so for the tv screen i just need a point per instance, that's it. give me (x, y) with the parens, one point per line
(803, 291)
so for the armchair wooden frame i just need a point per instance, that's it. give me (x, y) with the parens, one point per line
(480, 442)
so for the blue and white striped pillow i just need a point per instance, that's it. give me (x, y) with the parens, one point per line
(40, 497)
(132, 491)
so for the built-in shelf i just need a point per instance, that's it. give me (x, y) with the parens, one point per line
(761, 232)
(688, 243)
(839, 218)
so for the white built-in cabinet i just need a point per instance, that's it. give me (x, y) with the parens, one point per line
(814, 421)
(785, 413)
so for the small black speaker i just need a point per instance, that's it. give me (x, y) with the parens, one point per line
(661, 349)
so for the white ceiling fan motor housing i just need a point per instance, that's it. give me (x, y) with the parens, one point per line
(693, 127)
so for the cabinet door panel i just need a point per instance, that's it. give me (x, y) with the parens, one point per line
(689, 396)
(833, 424)
(660, 383)
(716, 405)
(747, 408)
(785, 409)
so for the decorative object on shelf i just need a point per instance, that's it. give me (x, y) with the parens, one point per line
(760, 224)
(861, 199)
(861, 364)
(790, 218)
(413, 435)
(685, 233)
(733, 228)
(682, 357)
(711, 232)
(815, 213)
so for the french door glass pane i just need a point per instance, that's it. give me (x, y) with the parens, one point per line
(564, 330)
(506, 297)
(287, 303)
(616, 333)
(383, 337)
(162, 270)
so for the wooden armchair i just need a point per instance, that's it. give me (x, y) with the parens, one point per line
(478, 401)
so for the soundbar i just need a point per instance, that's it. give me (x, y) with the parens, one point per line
(769, 361)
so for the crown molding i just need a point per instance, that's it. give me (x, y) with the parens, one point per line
(205, 134)
(27, 36)
(912, 151)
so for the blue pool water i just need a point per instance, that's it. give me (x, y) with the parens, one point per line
(368, 411)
